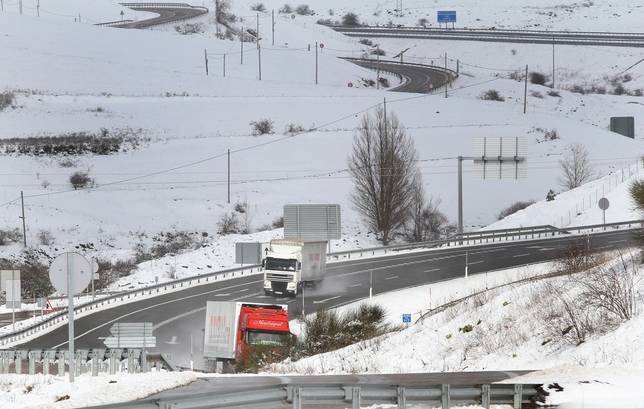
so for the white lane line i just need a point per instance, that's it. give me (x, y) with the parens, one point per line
(390, 278)
(433, 269)
(328, 299)
(355, 285)
(522, 255)
(475, 262)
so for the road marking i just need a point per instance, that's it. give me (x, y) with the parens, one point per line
(433, 269)
(475, 262)
(522, 255)
(355, 285)
(328, 299)
(173, 341)
(222, 295)
(390, 278)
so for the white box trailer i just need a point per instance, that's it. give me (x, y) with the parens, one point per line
(291, 264)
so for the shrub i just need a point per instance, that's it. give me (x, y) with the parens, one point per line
(549, 135)
(8, 236)
(79, 180)
(466, 328)
(304, 10)
(366, 41)
(377, 51)
(513, 208)
(228, 223)
(538, 78)
(258, 7)
(6, 99)
(45, 237)
(492, 95)
(550, 196)
(350, 19)
(423, 22)
(327, 22)
(536, 94)
(263, 126)
(554, 93)
(286, 9)
(189, 28)
(241, 207)
(292, 129)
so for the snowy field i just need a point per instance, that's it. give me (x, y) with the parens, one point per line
(71, 76)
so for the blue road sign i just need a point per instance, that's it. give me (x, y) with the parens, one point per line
(406, 317)
(447, 16)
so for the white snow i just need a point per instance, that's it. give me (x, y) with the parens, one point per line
(72, 76)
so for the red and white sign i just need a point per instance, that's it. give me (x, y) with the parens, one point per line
(50, 308)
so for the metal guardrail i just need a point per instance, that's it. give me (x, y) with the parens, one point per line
(481, 237)
(444, 396)
(499, 35)
(87, 360)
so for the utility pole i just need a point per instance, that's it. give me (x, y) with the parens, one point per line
(205, 54)
(228, 176)
(378, 66)
(273, 25)
(525, 92)
(316, 63)
(257, 31)
(241, 40)
(24, 228)
(259, 58)
(446, 74)
(553, 63)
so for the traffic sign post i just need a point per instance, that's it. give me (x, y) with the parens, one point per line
(446, 17)
(406, 318)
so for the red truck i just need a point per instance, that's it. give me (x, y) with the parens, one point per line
(232, 328)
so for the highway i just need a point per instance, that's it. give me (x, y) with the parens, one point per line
(179, 316)
(416, 78)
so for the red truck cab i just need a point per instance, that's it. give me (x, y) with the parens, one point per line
(261, 325)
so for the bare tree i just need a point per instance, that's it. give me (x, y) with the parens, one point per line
(426, 222)
(576, 168)
(385, 174)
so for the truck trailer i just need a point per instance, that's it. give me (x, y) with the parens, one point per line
(232, 328)
(291, 264)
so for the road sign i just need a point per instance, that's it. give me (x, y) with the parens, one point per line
(406, 318)
(70, 263)
(603, 203)
(131, 335)
(447, 16)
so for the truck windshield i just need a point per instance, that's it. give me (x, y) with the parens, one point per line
(280, 264)
(265, 338)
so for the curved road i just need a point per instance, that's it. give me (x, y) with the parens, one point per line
(166, 15)
(416, 78)
(179, 316)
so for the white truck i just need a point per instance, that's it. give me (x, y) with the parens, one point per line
(291, 264)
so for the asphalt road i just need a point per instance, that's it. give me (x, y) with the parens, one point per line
(415, 78)
(179, 317)
(166, 15)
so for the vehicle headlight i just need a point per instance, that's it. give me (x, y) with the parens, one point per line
(267, 284)
(290, 286)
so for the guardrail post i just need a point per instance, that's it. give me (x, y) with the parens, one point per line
(485, 396)
(402, 399)
(5, 359)
(32, 362)
(17, 363)
(130, 361)
(356, 397)
(113, 361)
(518, 395)
(62, 356)
(297, 397)
(445, 396)
(46, 360)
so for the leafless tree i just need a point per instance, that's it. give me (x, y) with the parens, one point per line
(576, 168)
(426, 222)
(385, 174)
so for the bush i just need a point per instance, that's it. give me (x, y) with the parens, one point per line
(45, 237)
(492, 95)
(228, 223)
(286, 9)
(550, 196)
(304, 10)
(189, 28)
(258, 7)
(350, 20)
(536, 94)
(513, 208)
(292, 129)
(263, 126)
(6, 99)
(8, 236)
(554, 93)
(366, 41)
(422, 22)
(538, 78)
(79, 180)
(377, 51)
